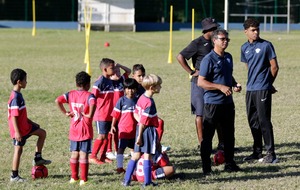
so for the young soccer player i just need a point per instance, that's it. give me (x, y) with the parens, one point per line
(124, 121)
(146, 136)
(103, 90)
(21, 127)
(82, 107)
(118, 80)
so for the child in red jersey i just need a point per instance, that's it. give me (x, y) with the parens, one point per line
(82, 107)
(123, 120)
(118, 80)
(103, 89)
(21, 127)
(146, 135)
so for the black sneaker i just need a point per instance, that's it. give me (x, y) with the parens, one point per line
(252, 157)
(269, 159)
(232, 168)
(41, 161)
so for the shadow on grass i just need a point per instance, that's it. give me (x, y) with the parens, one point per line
(189, 161)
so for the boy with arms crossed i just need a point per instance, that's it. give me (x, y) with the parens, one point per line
(124, 121)
(21, 127)
(103, 90)
(82, 108)
(146, 136)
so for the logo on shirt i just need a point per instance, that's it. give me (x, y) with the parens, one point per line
(206, 44)
(247, 51)
(257, 50)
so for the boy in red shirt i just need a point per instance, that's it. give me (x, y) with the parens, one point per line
(103, 89)
(21, 127)
(82, 108)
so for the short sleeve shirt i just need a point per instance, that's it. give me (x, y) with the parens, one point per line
(17, 108)
(217, 69)
(146, 110)
(257, 56)
(81, 128)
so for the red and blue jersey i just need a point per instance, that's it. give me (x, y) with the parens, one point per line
(119, 88)
(103, 89)
(123, 112)
(146, 110)
(81, 128)
(17, 108)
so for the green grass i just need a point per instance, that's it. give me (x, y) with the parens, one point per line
(52, 59)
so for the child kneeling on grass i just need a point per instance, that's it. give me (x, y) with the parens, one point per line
(82, 107)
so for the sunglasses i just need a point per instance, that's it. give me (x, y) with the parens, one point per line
(223, 39)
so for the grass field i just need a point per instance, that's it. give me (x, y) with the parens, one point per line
(52, 59)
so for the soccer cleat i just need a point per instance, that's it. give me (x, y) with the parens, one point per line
(95, 161)
(40, 162)
(165, 148)
(232, 167)
(111, 155)
(252, 157)
(72, 180)
(17, 179)
(269, 159)
(82, 182)
(120, 170)
(107, 160)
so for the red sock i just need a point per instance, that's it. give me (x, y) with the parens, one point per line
(74, 165)
(109, 142)
(103, 149)
(160, 128)
(84, 167)
(96, 147)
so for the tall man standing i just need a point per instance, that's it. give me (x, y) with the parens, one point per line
(216, 78)
(260, 58)
(196, 50)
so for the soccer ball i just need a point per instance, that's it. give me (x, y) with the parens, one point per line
(39, 172)
(219, 157)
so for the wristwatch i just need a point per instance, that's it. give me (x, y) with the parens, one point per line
(193, 72)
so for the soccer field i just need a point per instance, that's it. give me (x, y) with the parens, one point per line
(53, 57)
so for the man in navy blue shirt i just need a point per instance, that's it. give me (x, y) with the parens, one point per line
(260, 58)
(215, 77)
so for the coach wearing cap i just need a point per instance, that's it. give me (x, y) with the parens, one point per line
(196, 50)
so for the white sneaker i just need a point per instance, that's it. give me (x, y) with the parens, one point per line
(111, 155)
(165, 148)
(17, 179)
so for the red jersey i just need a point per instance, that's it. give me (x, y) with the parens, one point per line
(81, 128)
(123, 112)
(103, 90)
(146, 110)
(17, 108)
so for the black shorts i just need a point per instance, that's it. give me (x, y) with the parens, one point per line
(23, 141)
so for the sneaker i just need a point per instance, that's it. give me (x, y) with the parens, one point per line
(120, 170)
(165, 148)
(82, 182)
(111, 155)
(126, 183)
(252, 157)
(40, 162)
(95, 161)
(17, 179)
(151, 184)
(232, 167)
(72, 180)
(269, 159)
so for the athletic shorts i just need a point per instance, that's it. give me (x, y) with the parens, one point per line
(23, 141)
(124, 143)
(83, 146)
(149, 140)
(103, 127)
(197, 101)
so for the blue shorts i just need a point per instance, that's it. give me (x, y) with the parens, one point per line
(103, 127)
(149, 140)
(83, 146)
(124, 143)
(197, 101)
(23, 141)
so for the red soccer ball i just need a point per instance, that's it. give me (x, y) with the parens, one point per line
(39, 172)
(219, 158)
